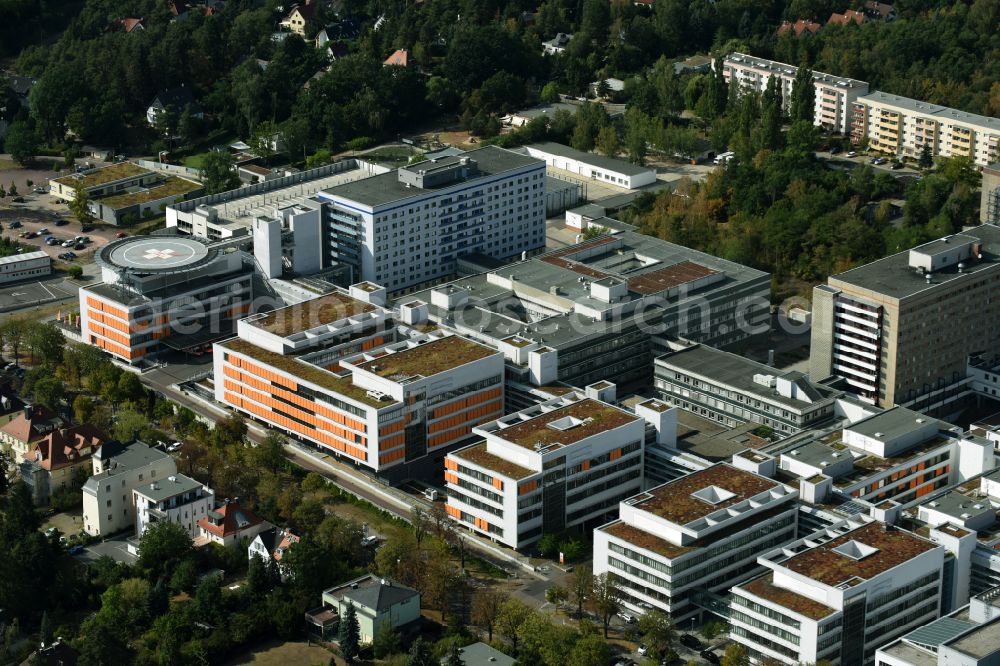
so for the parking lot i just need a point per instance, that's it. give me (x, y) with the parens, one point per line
(26, 294)
(33, 217)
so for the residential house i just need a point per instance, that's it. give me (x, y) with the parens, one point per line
(229, 523)
(27, 427)
(378, 602)
(799, 27)
(56, 653)
(399, 57)
(697, 64)
(129, 25)
(108, 505)
(21, 86)
(52, 462)
(880, 10)
(299, 17)
(10, 404)
(335, 32)
(850, 16)
(176, 499)
(481, 654)
(557, 44)
(272, 543)
(179, 98)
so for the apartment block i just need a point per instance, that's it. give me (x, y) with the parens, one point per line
(164, 292)
(734, 390)
(901, 329)
(175, 499)
(693, 536)
(835, 95)
(838, 595)
(332, 373)
(108, 506)
(564, 463)
(599, 310)
(989, 202)
(902, 126)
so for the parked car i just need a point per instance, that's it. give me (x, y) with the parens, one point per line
(61, 222)
(852, 153)
(628, 618)
(31, 234)
(68, 243)
(175, 446)
(71, 255)
(87, 227)
(690, 641)
(120, 234)
(79, 246)
(15, 225)
(76, 550)
(52, 242)
(643, 650)
(43, 230)
(896, 165)
(41, 190)
(18, 199)
(709, 656)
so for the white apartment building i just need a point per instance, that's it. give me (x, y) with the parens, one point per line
(902, 126)
(563, 463)
(838, 595)
(407, 227)
(107, 495)
(331, 372)
(835, 95)
(176, 499)
(699, 533)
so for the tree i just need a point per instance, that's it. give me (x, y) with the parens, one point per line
(556, 595)
(162, 546)
(607, 141)
(590, 650)
(49, 391)
(386, 641)
(350, 634)
(550, 93)
(74, 272)
(80, 206)
(420, 522)
(46, 343)
(605, 599)
(486, 608)
(263, 139)
(926, 160)
(735, 655)
(217, 173)
(803, 96)
(581, 585)
(454, 656)
(21, 142)
(657, 631)
(421, 654)
(319, 158)
(128, 424)
(45, 630)
(513, 615)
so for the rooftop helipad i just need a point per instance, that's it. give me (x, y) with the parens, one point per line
(155, 254)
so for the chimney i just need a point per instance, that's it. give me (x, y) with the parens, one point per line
(27, 412)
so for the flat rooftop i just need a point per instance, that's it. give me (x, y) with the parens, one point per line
(825, 564)
(167, 487)
(678, 501)
(893, 423)
(305, 371)
(607, 163)
(169, 187)
(384, 189)
(103, 175)
(960, 506)
(566, 425)
(478, 455)
(940, 113)
(306, 315)
(791, 70)
(980, 642)
(893, 277)
(738, 372)
(428, 358)
(765, 588)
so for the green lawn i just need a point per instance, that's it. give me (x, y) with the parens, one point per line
(7, 165)
(194, 161)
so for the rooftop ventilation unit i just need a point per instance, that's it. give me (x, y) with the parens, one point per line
(855, 550)
(713, 494)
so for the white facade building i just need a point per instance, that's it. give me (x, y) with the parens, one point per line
(902, 126)
(108, 505)
(838, 595)
(30, 265)
(701, 532)
(177, 499)
(580, 455)
(834, 95)
(593, 167)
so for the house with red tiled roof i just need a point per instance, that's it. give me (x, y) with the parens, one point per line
(272, 543)
(52, 461)
(26, 428)
(299, 17)
(400, 58)
(799, 27)
(849, 17)
(229, 523)
(127, 25)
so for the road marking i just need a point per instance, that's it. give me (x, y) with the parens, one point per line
(51, 295)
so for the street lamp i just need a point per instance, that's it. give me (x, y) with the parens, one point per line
(692, 624)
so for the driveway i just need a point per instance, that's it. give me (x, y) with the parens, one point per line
(115, 548)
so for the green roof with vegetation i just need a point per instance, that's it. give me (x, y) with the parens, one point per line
(171, 187)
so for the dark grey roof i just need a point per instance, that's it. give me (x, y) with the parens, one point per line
(178, 97)
(893, 277)
(269, 538)
(937, 632)
(481, 654)
(609, 163)
(380, 596)
(162, 489)
(386, 189)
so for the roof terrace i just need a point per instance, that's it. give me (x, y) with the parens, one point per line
(765, 588)
(564, 425)
(427, 358)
